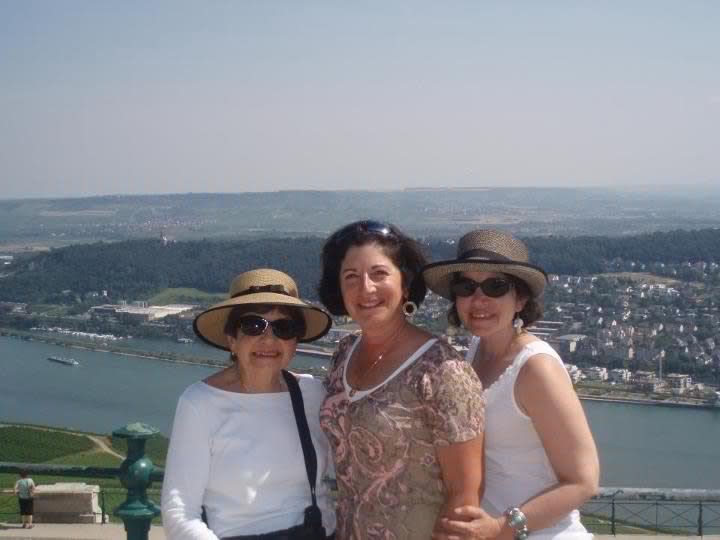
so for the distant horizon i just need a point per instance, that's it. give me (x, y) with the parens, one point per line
(104, 98)
(627, 187)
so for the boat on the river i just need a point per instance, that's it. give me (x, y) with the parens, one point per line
(63, 360)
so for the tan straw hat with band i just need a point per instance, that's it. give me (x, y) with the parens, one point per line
(262, 286)
(486, 250)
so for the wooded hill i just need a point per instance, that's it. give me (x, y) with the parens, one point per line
(137, 269)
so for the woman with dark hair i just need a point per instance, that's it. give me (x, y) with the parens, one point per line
(404, 412)
(247, 455)
(540, 458)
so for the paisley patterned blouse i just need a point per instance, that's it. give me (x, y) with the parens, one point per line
(384, 440)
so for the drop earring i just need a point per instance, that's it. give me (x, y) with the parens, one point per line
(518, 324)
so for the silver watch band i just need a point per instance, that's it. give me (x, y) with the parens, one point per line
(517, 521)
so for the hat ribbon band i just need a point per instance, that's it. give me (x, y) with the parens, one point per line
(278, 289)
(484, 254)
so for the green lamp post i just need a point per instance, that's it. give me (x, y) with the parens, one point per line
(137, 512)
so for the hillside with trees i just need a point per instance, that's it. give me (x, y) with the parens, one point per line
(137, 269)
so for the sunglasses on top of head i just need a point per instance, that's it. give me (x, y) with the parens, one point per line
(254, 325)
(493, 287)
(368, 226)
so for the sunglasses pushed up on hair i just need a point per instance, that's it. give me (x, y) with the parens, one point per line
(253, 325)
(367, 226)
(493, 287)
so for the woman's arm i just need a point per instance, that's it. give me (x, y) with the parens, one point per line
(186, 475)
(456, 416)
(461, 466)
(544, 391)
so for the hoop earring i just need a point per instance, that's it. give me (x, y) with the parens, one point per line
(518, 324)
(409, 308)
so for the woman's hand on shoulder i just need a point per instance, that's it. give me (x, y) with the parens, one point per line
(469, 523)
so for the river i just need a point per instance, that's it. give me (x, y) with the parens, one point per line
(640, 445)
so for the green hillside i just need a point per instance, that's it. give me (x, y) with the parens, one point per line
(143, 269)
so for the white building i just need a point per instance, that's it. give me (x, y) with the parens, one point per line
(619, 375)
(679, 383)
(595, 373)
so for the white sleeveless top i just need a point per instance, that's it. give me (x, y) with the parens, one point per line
(516, 465)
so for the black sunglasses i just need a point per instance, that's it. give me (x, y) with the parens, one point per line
(494, 287)
(369, 226)
(253, 325)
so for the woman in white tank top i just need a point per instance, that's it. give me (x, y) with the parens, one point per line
(540, 458)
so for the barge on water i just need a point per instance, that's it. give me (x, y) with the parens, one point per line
(63, 360)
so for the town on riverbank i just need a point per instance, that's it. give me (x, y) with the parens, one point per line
(593, 389)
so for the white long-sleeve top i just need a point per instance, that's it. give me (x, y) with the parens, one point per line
(239, 456)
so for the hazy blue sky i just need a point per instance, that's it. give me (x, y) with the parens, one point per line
(126, 96)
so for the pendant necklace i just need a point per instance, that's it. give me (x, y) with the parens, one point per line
(385, 349)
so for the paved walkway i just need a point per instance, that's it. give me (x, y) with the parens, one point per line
(52, 531)
(117, 532)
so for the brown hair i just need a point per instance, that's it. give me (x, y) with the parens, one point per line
(406, 253)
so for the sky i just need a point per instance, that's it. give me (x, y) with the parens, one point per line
(113, 97)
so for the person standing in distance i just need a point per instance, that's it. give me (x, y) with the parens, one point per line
(25, 490)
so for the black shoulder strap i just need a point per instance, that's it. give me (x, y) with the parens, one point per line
(303, 430)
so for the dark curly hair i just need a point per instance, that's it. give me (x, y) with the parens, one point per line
(406, 253)
(531, 312)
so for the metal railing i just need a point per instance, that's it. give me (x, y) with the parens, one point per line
(612, 511)
(653, 511)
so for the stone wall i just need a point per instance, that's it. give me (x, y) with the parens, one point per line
(67, 503)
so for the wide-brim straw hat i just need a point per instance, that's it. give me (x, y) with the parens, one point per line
(262, 286)
(486, 250)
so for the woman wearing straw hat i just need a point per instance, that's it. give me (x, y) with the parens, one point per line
(239, 453)
(540, 457)
(404, 412)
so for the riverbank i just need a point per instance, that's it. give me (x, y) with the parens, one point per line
(173, 357)
(125, 351)
(647, 401)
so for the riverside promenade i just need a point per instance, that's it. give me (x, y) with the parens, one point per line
(117, 532)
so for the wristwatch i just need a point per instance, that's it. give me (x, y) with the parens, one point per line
(517, 521)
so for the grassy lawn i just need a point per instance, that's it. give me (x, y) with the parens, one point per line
(643, 277)
(184, 296)
(35, 445)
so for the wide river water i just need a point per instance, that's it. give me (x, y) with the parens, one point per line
(640, 445)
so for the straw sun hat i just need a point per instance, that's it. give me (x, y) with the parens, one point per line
(486, 250)
(263, 286)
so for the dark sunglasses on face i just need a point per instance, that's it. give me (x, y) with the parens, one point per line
(493, 287)
(369, 226)
(253, 325)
